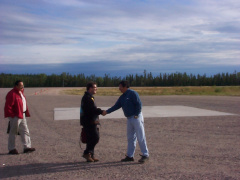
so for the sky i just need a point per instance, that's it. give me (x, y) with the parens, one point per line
(119, 37)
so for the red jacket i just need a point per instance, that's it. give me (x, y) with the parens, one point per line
(14, 106)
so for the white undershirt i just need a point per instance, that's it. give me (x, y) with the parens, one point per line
(24, 102)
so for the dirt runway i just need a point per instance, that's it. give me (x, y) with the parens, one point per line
(180, 147)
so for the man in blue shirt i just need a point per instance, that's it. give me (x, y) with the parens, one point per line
(131, 104)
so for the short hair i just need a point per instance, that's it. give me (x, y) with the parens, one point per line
(17, 82)
(124, 84)
(90, 85)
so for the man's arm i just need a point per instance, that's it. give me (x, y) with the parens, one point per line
(115, 107)
(137, 102)
(90, 108)
(8, 110)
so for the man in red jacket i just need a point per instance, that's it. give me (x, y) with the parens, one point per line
(16, 111)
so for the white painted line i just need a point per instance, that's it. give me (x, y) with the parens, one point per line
(148, 111)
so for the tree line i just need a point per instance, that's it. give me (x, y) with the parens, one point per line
(145, 79)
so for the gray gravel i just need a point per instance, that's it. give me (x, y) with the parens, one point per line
(180, 147)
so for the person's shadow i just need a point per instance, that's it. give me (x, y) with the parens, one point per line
(41, 168)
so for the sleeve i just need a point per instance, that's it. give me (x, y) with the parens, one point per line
(90, 108)
(8, 108)
(115, 107)
(137, 102)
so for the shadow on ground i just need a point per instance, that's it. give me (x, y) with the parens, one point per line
(41, 168)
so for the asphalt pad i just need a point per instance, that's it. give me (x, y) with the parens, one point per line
(148, 112)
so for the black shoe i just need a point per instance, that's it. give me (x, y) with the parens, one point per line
(27, 150)
(127, 159)
(143, 159)
(14, 151)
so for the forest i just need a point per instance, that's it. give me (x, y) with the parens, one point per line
(145, 79)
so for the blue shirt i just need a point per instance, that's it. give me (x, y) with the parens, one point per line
(129, 102)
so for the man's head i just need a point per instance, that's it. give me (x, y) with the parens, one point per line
(123, 86)
(92, 87)
(19, 85)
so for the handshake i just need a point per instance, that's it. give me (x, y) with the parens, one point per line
(104, 113)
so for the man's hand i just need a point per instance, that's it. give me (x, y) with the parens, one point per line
(104, 113)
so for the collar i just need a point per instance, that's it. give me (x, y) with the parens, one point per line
(87, 93)
(16, 90)
(126, 91)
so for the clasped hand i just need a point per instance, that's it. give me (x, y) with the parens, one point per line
(104, 113)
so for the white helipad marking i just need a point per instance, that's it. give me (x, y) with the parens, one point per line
(148, 111)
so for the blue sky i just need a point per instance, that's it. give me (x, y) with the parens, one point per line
(119, 37)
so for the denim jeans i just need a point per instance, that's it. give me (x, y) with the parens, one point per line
(136, 132)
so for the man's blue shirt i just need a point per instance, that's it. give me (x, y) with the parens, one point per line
(129, 102)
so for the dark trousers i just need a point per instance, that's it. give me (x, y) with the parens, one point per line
(92, 134)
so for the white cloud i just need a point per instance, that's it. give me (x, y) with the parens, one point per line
(197, 32)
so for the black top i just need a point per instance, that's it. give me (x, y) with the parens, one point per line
(89, 111)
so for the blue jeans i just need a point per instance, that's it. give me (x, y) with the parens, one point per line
(135, 131)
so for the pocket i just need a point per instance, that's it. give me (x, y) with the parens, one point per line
(8, 128)
(141, 118)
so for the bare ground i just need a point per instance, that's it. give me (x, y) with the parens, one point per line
(180, 148)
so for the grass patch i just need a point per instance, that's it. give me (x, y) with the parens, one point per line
(157, 91)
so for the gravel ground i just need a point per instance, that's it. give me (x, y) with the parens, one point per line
(180, 148)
